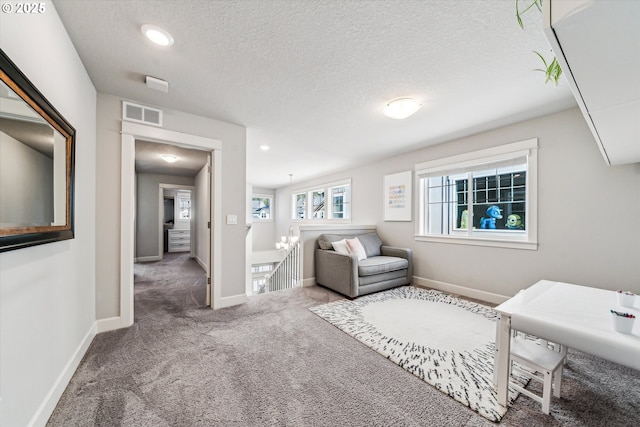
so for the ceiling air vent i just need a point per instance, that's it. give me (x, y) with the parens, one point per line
(141, 114)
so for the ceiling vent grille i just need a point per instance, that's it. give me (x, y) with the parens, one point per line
(141, 114)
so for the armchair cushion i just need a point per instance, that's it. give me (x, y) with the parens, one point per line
(371, 243)
(381, 264)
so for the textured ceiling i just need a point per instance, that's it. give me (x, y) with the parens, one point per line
(310, 78)
(149, 159)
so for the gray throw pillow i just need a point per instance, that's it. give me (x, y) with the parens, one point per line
(325, 240)
(371, 243)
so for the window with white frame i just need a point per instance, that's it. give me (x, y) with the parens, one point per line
(261, 207)
(340, 198)
(330, 202)
(318, 208)
(487, 197)
(300, 206)
(184, 205)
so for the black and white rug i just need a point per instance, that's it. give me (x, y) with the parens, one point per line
(445, 341)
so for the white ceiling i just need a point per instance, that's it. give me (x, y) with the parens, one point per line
(149, 159)
(310, 79)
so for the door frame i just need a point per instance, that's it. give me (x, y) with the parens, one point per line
(161, 188)
(131, 132)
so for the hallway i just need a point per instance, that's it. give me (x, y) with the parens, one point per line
(174, 285)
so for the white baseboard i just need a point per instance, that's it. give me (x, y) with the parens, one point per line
(202, 263)
(460, 290)
(108, 324)
(44, 411)
(232, 300)
(149, 258)
(308, 282)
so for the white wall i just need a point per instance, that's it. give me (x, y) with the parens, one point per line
(233, 139)
(47, 292)
(587, 230)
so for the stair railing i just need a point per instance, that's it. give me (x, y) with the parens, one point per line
(286, 274)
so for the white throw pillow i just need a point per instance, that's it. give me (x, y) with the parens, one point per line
(356, 248)
(340, 246)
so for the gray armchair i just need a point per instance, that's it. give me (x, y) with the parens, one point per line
(385, 267)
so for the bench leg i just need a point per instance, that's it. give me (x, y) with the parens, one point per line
(557, 381)
(546, 392)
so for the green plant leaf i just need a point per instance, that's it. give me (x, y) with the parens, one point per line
(542, 58)
(552, 70)
(556, 70)
(536, 3)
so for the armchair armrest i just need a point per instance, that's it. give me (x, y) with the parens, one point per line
(337, 271)
(405, 253)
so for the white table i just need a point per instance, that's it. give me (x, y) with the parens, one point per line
(575, 316)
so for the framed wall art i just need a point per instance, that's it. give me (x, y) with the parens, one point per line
(397, 196)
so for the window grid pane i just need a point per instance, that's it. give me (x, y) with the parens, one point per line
(339, 202)
(462, 205)
(318, 204)
(300, 205)
(507, 193)
(261, 207)
(327, 203)
(441, 195)
(498, 202)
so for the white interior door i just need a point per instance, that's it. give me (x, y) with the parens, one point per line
(209, 230)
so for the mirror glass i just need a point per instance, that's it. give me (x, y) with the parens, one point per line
(32, 166)
(36, 165)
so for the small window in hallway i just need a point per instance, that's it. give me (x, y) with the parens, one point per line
(261, 207)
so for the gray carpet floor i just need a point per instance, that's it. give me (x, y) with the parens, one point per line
(272, 362)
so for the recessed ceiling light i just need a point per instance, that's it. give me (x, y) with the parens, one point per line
(265, 147)
(401, 108)
(169, 158)
(157, 35)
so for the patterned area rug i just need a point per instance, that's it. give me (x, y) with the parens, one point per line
(445, 341)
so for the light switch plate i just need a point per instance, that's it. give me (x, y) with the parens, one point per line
(232, 219)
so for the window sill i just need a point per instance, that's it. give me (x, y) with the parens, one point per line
(474, 241)
(321, 221)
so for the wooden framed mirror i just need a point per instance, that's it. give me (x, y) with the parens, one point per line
(37, 155)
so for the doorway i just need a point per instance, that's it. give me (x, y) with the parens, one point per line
(131, 132)
(178, 230)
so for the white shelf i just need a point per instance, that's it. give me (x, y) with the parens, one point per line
(597, 43)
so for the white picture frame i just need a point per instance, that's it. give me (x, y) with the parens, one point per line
(398, 196)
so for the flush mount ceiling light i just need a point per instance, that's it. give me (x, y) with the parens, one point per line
(157, 35)
(169, 158)
(401, 108)
(265, 147)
